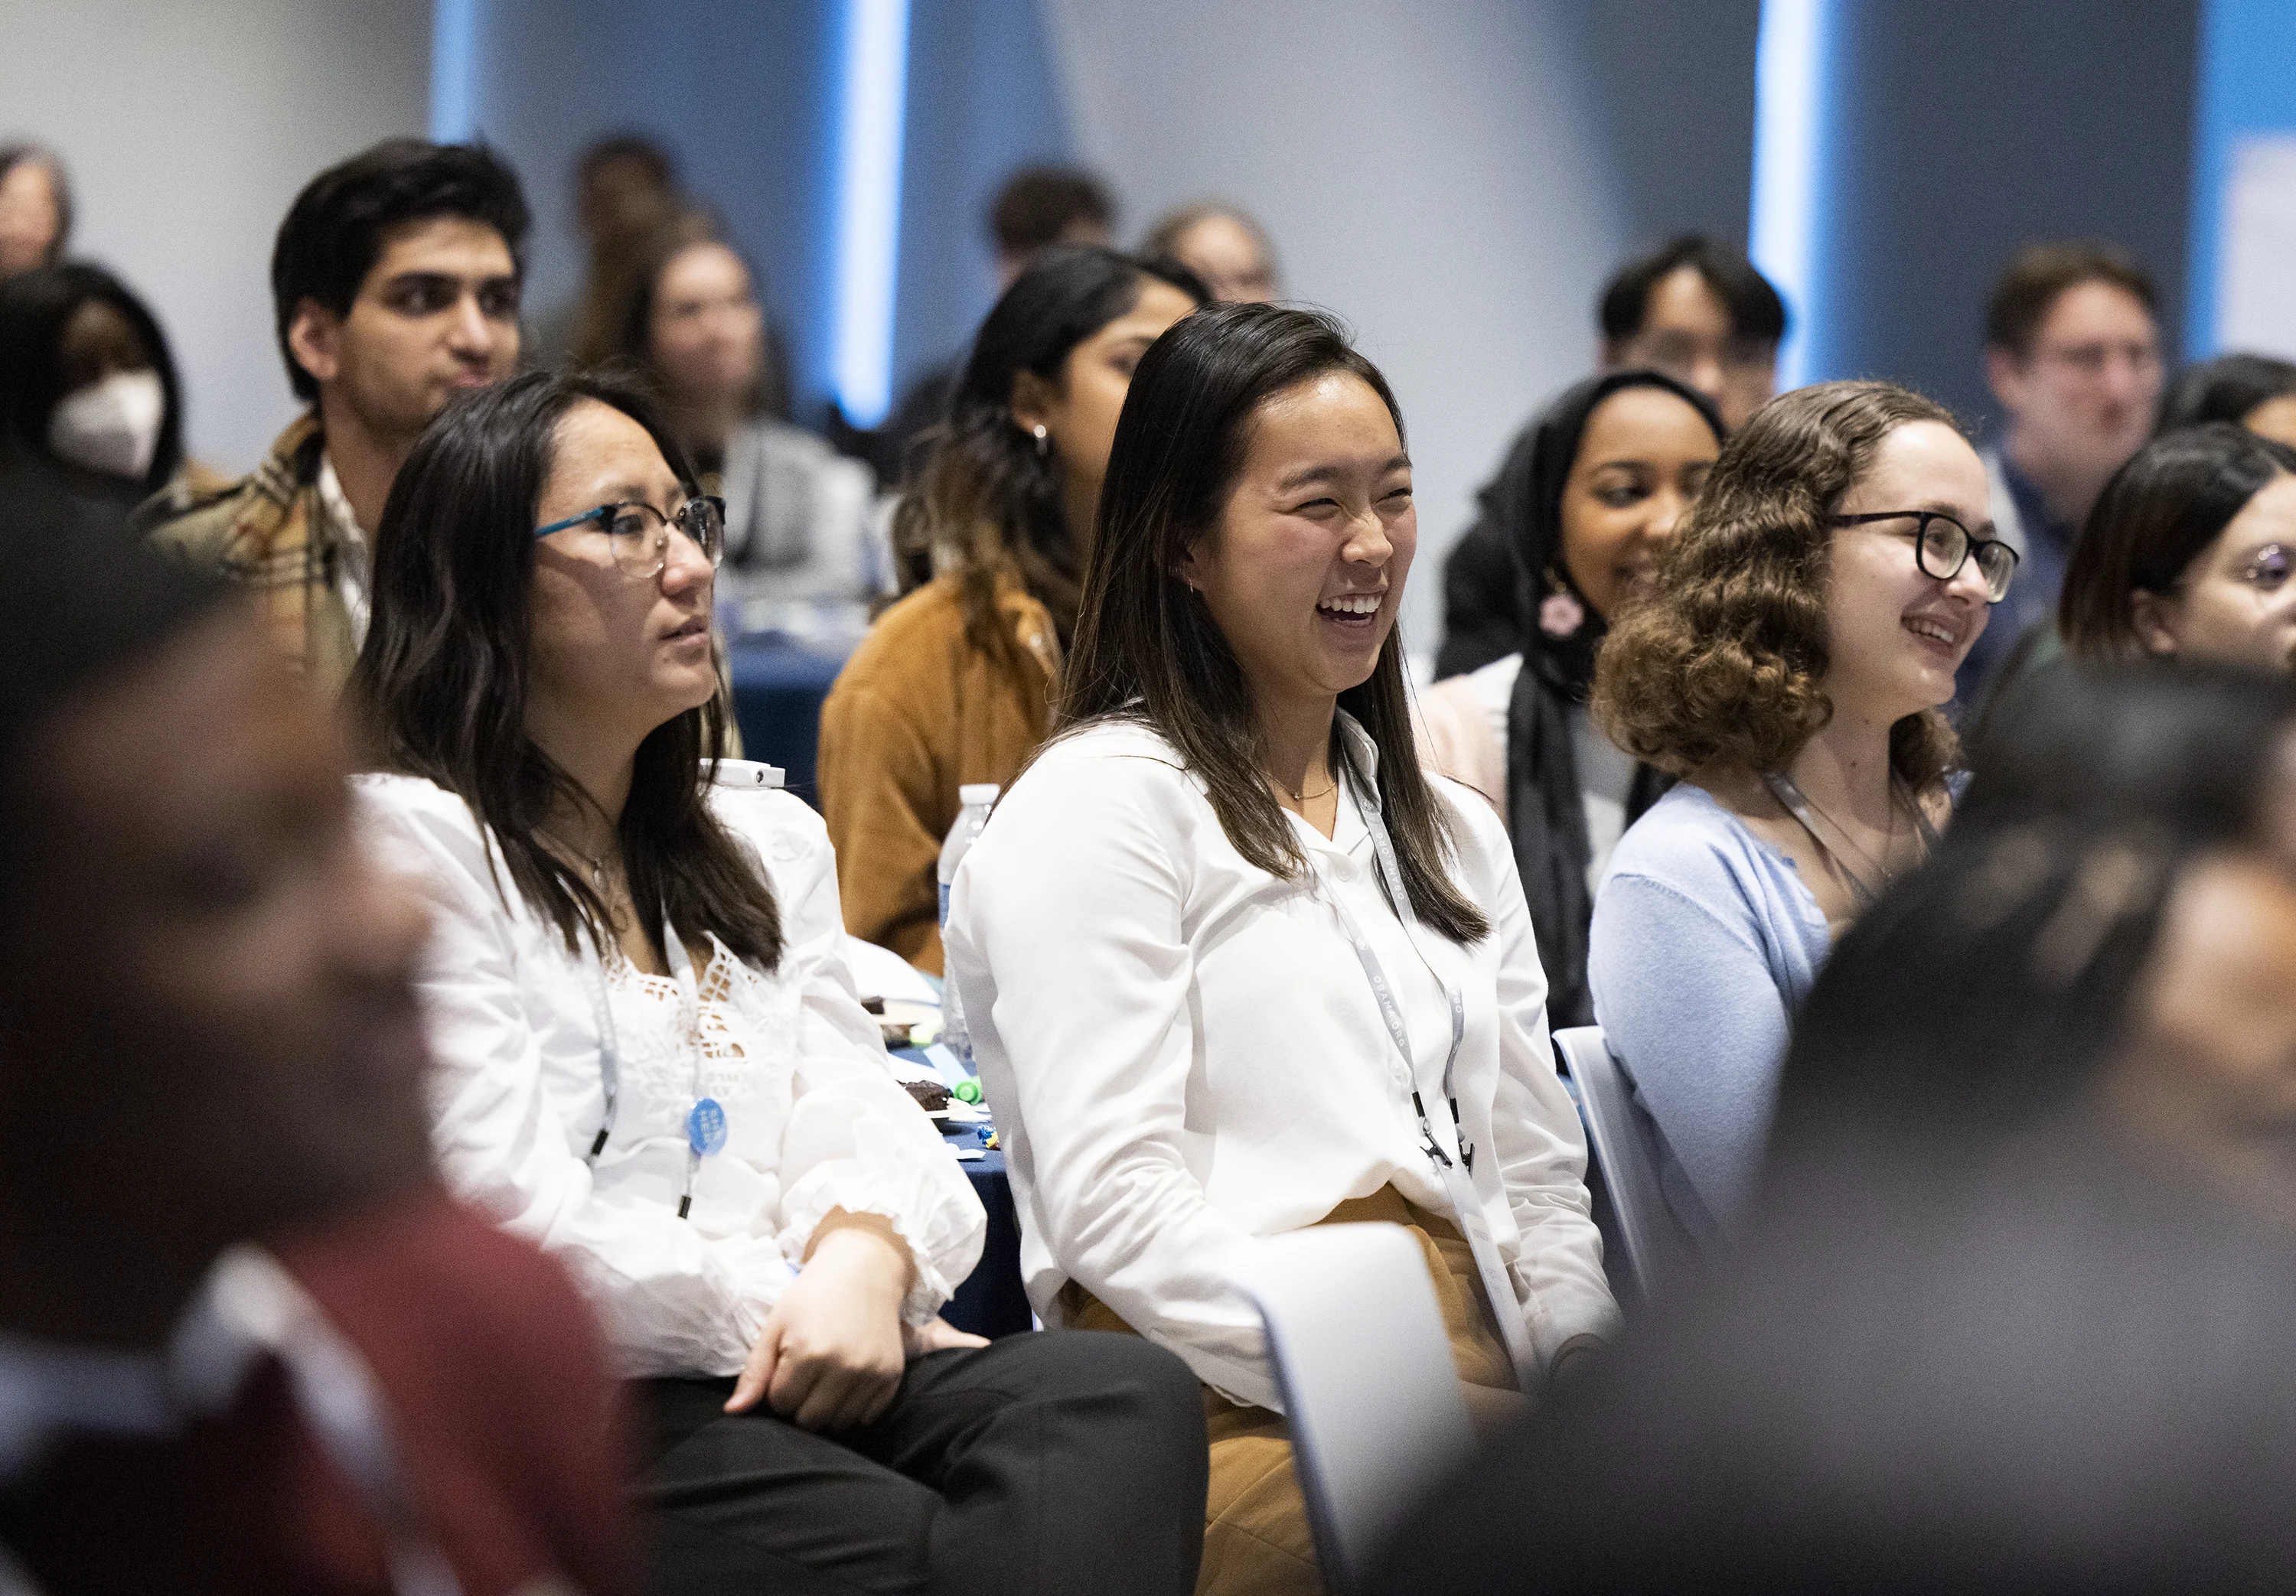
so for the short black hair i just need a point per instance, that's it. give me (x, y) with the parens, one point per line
(334, 232)
(1755, 309)
(2039, 274)
(1037, 206)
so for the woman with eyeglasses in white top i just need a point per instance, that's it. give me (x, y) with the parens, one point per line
(649, 1058)
(1165, 937)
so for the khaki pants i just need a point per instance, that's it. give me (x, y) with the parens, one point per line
(1256, 1537)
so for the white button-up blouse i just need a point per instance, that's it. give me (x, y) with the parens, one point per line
(1183, 1053)
(815, 1119)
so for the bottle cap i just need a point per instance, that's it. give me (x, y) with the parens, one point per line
(976, 793)
(966, 1092)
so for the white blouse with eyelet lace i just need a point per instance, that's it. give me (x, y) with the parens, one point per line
(815, 1120)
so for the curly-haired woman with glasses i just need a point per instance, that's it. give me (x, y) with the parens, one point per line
(649, 1058)
(1787, 662)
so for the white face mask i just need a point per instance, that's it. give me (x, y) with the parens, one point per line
(112, 427)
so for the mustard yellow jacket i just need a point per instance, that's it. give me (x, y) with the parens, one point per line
(916, 714)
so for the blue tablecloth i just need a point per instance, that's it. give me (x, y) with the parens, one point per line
(778, 688)
(990, 1302)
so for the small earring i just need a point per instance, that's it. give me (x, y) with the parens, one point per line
(1044, 439)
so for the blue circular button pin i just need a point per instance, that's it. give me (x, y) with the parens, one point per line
(705, 1128)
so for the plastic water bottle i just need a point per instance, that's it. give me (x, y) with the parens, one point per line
(977, 798)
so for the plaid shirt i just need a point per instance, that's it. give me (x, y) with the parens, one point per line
(271, 532)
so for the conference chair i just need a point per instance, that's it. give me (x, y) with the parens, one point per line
(1368, 1379)
(1647, 1233)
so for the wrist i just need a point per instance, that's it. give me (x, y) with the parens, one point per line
(863, 1246)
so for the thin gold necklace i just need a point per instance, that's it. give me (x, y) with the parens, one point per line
(1304, 797)
(597, 863)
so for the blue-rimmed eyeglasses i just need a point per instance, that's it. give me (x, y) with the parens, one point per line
(1942, 545)
(639, 534)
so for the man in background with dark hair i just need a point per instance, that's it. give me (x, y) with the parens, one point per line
(1703, 315)
(1698, 312)
(1037, 207)
(246, 1342)
(394, 286)
(2072, 354)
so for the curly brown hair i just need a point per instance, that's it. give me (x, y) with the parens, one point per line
(1721, 660)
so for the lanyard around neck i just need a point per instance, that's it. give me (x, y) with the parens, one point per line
(1455, 1173)
(1789, 794)
(610, 1070)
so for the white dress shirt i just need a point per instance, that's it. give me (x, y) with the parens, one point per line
(1183, 1053)
(815, 1120)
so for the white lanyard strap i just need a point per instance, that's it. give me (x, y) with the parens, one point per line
(610, 1069)
(610, 1061)
(1455, 1173)
(689, 1021)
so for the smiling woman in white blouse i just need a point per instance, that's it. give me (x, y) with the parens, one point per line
(1167, 935)
(649, 1058)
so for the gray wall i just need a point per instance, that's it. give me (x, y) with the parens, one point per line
(1455, 178)
(1967, 128)
(188, 129)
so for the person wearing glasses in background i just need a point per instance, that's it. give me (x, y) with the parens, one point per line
(1693, 310)
(395, 286)
(2189, 555)
(652, 1060)
(2072, 356)
(1786, 662)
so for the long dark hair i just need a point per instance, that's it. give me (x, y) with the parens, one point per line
(35, 308)
(2169, 502)
(442, 680)
(987, 500)
(1147, 648)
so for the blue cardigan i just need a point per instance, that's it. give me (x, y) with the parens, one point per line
(1704, 943)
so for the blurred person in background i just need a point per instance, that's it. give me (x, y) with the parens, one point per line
(625, 185)
(246, 1343)
(1164, 933)
(2254, 390)
(89, 399)
(799, 516)
(1588, 499)
(1223, 246)
(1693, 310)
(394, 286)
(36, 209)
(651, 1060)
(2072, 356)
(954, 684)
(1787, 661)
(1036, 208)
(2189, 551)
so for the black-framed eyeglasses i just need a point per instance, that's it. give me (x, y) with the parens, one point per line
(1942, 545)
(639, 534)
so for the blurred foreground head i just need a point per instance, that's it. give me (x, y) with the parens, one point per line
(207, 1026)
(2020, 1314)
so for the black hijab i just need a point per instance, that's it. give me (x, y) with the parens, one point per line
(1546, 811)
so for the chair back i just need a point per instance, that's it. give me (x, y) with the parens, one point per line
(1368, 1382)
(1647, 1231)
